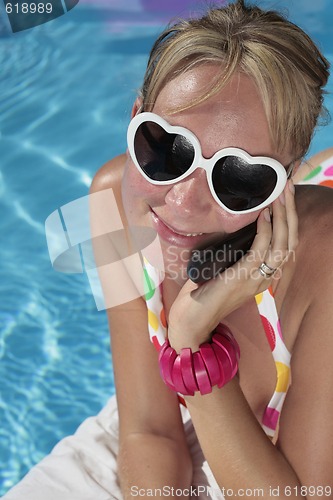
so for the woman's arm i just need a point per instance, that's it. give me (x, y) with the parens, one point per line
(152, 447)
(306, 434)
(239, 453)
(153, 451)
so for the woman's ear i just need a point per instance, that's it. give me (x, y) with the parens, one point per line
(137, 107)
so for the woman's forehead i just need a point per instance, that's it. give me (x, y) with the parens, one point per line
(235, 116)
(238, 103)
(225, 119)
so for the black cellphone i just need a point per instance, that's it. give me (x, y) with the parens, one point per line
(206, 263)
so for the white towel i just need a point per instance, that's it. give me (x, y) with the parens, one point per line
(84, 466)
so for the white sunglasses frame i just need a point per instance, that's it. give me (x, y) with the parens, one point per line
(206, 163)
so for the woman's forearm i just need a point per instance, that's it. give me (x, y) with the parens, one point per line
(152, 463)
(239, 453)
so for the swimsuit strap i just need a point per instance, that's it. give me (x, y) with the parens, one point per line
(271, 323)
(157, 325)
(321, 175)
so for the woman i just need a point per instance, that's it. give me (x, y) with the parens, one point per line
(238, 84)
(246, 79)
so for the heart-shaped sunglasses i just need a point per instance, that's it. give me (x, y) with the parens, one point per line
(166, 154)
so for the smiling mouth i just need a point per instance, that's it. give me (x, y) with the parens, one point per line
(176, 231)
(184, 239)
(181, 233)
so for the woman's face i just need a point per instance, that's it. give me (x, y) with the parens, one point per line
(234, 117)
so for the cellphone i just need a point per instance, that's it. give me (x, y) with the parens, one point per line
(206, 263)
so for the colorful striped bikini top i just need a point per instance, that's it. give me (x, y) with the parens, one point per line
(157, 327)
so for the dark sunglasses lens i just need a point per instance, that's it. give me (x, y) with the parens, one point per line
(240, 185)
(162, 156)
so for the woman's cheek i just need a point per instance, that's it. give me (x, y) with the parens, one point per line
(136, 191)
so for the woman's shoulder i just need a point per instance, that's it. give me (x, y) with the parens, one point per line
(315, 213)
(314, 199)
(314, 203)
(312, 275)
(308, 276)
(109, 175)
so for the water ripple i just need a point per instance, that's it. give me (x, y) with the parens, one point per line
(66, 92)
(23, 215)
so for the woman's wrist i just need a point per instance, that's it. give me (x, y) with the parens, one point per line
(212, 363)
(187, 340)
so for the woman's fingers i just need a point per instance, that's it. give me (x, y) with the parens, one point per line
(285, 228)
(262, 241)
(276, 238)
(240, 281)
(285, 220)
(292, 217)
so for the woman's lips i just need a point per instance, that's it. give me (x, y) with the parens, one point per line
(184, 239)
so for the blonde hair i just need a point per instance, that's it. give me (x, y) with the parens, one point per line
(287, 67)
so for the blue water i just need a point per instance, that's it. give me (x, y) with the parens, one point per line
(66, 90)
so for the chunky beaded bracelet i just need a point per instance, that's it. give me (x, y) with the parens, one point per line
(216, 363)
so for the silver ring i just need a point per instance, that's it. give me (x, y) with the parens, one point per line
(266, 271)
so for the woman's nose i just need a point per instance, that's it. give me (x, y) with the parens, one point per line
(191, 195)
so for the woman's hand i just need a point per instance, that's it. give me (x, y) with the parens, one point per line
(199, 308)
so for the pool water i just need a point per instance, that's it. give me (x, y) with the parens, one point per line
(66, 91)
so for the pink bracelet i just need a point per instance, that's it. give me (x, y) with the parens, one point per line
(215, 363)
